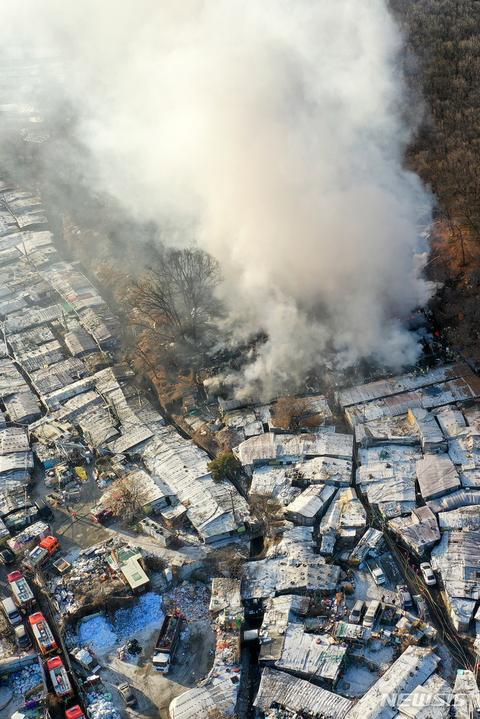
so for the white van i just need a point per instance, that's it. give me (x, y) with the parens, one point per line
(373, 612)
(357, 611)
(22, 638)
(11, 612)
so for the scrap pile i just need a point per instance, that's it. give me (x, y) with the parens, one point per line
(100, 706)
(25, 680)
(102, 634)
(191, 599)
(70, 591)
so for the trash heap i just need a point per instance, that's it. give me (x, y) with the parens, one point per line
(86, 572)
(7, 646)
(102, 634)
(26, 679)
(97, 632)
(192, 599)
(100, 706)
(144, 613)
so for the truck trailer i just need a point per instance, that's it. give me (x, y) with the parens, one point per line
(166, 644)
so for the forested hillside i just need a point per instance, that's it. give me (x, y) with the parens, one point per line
(442, 61)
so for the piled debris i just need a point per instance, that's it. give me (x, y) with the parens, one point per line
(87, 578)
(23, 681)
(191, 598)
(102, 634)
(100, 706)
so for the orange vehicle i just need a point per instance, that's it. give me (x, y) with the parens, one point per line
(51, 544)
(42, 633)
(58, 675)
(74, 713)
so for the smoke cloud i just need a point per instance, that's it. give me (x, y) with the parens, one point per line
(273, 133)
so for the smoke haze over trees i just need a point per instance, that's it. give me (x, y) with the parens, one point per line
(270, 134)
(442, 62)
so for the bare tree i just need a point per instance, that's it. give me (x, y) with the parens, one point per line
(290, 412)
(175, 302)
(127, 499)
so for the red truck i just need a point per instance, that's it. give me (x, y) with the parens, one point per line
(43, 551)
(42, 633)
(74, 713)
(58, 675)
(20, 589)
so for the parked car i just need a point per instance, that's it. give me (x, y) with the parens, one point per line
(101, 515)
(7, 556)
(11, 611)
(404, 597)
(22, 638)
(357, 611)
(127, 694)
(376, 572)
(428, 574)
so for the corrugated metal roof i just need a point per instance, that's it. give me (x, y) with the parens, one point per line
(429, 701)
(299, 695)
(292, 447)
(412, 668)
(466, 695)
(395, 385)
(457, 558)
(460, 498)
(22, 407)
(311, 502)
(311, 654)
(214, 508)
(331, 470)
(14, 439)
(436, 475)
(202, 702)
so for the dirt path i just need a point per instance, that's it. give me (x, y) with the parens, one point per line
(155, 691)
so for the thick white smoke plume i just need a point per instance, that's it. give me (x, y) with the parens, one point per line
(272, 127)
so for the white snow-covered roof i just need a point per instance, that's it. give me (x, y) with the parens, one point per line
(331, 470)
(457, 558)
(436, 476)
(310, 503)
(314, 655)
(214, 508)
(427, 701)
(270, 447)
(202, 702)
(396, 385)
(412, 668)
(298, 695)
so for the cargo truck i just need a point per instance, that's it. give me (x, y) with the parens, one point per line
(58, 674)
(45, 549)
(20, 589)
(43, 634)
(166, 644)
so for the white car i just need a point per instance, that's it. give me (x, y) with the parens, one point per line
(428, 574)
(378, 576)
